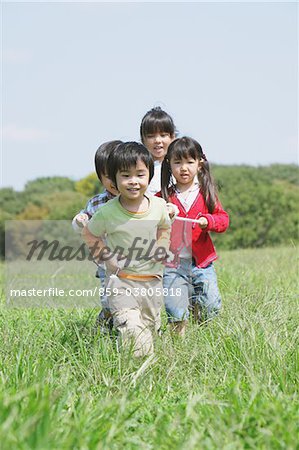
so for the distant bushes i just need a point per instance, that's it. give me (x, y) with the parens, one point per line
(262, 203)
(44, 198)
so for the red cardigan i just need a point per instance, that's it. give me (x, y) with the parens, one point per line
(191, 235)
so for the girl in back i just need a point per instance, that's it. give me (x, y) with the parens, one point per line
(157, 131)
(192, 270)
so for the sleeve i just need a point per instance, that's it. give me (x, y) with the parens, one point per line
(218, 221)
(88, 208)
(93, 234)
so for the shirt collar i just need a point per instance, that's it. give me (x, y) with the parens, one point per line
(194, 188)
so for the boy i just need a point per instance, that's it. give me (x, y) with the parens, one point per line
(136, 227)
(81, 219)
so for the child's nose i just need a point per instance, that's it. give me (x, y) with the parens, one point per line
(158, 138)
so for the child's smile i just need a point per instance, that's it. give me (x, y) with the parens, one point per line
(133, 182)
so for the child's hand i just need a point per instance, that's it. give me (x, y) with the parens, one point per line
(113, 264)
(203, 223)
(170, 257)
(173, 210)
(81, 219)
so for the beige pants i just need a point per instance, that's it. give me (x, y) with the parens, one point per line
(136, 310)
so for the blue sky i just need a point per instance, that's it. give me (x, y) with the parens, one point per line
(77, 74)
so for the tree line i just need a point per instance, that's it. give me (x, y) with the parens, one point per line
(262, 203)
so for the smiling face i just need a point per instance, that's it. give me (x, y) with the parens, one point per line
(133, 182)
(157, 144)
(185, 171)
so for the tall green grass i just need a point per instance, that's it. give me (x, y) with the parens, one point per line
(230, 384)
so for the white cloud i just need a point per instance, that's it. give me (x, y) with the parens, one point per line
(17, 134)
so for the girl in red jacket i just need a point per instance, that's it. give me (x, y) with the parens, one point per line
(191, 277)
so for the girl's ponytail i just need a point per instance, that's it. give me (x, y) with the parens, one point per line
(166, 178)
(207, 185)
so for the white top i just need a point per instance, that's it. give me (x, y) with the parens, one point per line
(155, 184)
(187, 199)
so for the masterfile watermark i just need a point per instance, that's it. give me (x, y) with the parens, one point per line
(144, 251)
(48, 265)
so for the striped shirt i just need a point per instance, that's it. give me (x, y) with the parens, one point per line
(95, 202)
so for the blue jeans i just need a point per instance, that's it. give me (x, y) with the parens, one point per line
(101, 274)
(188, 286)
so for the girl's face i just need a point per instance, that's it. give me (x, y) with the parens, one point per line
(185, 170)
(157, 144)
(133, 182)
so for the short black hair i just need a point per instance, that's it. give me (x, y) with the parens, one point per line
(102, 155)
(125, 156)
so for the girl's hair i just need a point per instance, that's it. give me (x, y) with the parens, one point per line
(102, 155)
(156, 120)
(183, 148)
(126, 155)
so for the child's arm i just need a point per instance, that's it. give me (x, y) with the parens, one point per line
(163, 230)
(94, 243)
(99, 251)
(218, 221)
(163, 238)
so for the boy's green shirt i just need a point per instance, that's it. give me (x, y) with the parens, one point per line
(134, 233)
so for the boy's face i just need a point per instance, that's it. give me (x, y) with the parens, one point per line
(108, 185)
(157, 144)
(133, 182)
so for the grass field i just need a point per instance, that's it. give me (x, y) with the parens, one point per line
(230, 384)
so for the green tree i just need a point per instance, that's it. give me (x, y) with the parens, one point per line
(263, 210)
(45, 185)
(89, 185)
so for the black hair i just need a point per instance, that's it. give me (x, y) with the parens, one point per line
(102, 155)
(125, 156)
(183, 148)
(156, 120)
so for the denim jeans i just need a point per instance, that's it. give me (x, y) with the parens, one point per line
(101, 274)
(188, 286)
